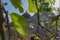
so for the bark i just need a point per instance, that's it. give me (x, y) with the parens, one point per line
(1, 22)
(7, 19)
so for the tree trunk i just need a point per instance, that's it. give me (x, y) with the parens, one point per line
(1, 22)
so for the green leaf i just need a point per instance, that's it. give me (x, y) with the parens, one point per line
(49, 1)
(17, 4)
(31, 25)
(19, 23)
(42, 23)
(21, 9)
(54, 23)
(36, 38)
(31, 6)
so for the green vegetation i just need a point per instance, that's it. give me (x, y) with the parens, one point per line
(19, 23)
(37, 7)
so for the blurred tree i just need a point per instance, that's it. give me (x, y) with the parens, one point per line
(1, 22)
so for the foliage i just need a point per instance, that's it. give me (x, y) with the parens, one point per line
(19, 23)
(42, 23)
(17, 4)
(54, 19)
(50, 1)
(44, 5)
(58, 21)
(36, 38)
(32, 6)
(31, 25)
(54, 23)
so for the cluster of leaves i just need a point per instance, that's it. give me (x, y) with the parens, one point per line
(55, 21)
(19, 22)
(44, 5)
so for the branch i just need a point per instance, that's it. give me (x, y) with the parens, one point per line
(55, 18)
(37, 15)
(1, 23)
(7, 21)
(39, 21)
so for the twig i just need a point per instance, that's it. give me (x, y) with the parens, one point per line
(39, 21)
(7, 21)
